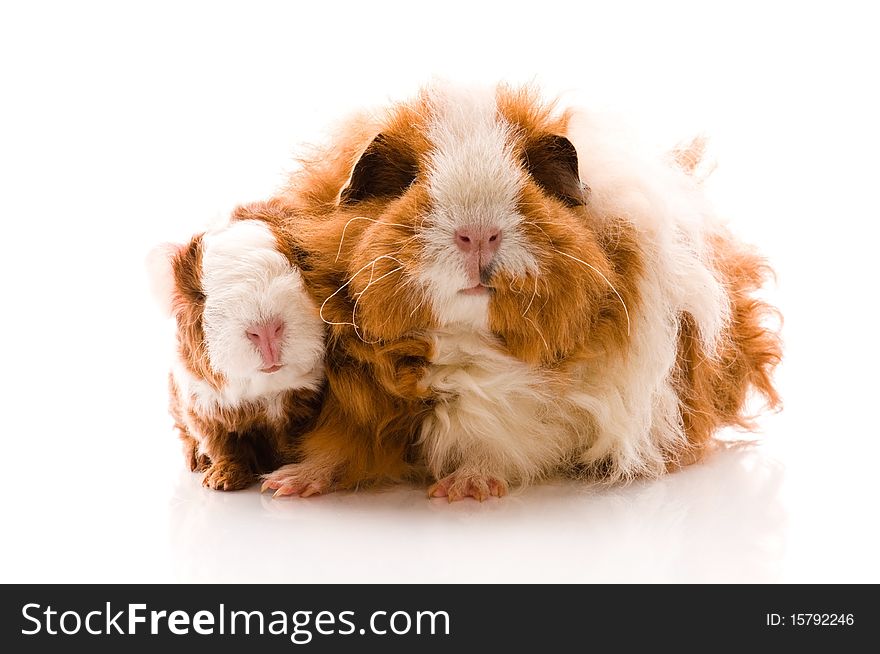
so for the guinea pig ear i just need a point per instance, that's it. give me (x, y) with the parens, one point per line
(553, 163)
(160, 270)
(385, 170)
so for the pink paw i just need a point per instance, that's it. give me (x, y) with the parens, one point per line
(296, 479)
(461, 484)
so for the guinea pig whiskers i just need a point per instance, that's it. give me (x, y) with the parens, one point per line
(416, 308)
(361, 294)
(546, 302)
(404, 242)
(372, 220)
(534, 223)
(529, 306)
(398, 288)
(426, 217)
(338, 290)
(516, 290)
(538, 223)
(532, 323)
(610, 285)
(370, 281)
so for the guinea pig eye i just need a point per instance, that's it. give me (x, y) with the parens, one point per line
(385, 170)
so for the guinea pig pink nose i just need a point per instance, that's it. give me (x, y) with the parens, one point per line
(267, 336)
(476, 238)
(478, 244)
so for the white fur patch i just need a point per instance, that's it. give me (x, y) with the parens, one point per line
(474, 180)
(494, 415)
(246, 280)
(632, 401)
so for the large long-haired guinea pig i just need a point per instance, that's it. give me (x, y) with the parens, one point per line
(248, 374)
(514, 295)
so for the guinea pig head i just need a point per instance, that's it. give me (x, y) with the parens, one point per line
(240, 305)
(479, 218)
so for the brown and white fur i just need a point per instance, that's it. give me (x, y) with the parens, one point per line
(248, 374)
(513, 294)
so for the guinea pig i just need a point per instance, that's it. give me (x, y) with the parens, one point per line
(514, 294)
(248, 373)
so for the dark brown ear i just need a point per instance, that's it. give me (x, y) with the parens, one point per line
(386, 169)
(552, 161)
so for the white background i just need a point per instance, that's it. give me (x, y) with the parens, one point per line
(127, 124)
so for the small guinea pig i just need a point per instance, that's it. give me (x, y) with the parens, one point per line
(515, 294)
(248, 374)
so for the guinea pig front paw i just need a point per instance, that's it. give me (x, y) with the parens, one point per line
(462, 483)
(197, 462)
(300, 479)
(227, 476)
